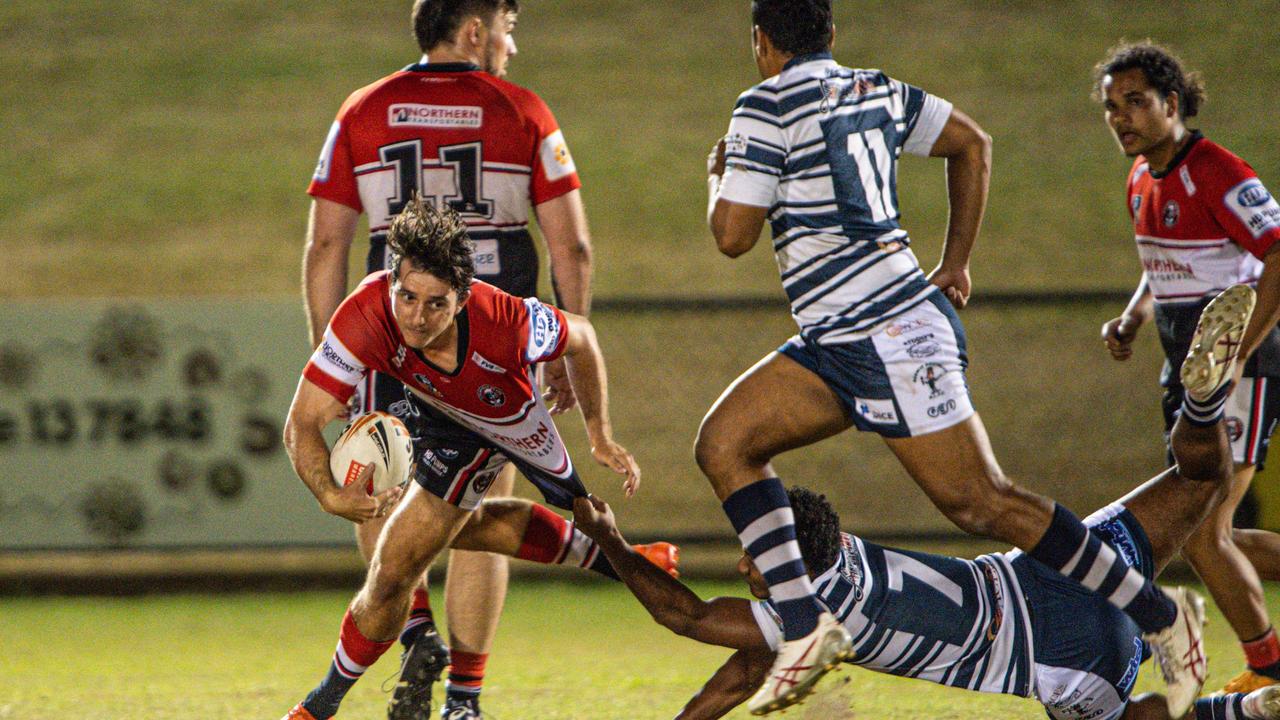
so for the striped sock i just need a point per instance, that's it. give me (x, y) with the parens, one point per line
(420, 618)
(552, 540)
(762, 516)
(1205, 413)
(466, 675)
(354, 655)
(1073, 550)
(1222, 707)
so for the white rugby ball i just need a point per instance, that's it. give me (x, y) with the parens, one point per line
(377, 439)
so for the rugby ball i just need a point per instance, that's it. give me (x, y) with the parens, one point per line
(377, 439)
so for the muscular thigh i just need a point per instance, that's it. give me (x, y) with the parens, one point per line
(777, 405)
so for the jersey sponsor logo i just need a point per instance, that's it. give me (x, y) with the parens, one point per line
(1131, 672)
(425, 382)
(401, 409)
(491, 396)
(534, 442)
(332, 355)
(1254, 206)
(852, 569)
(435, 116)
(544, 329)
(936, 411)
(485, 257)
(1170, 215)
(557, 163)
(905, 326)
(483, 482)
(735, 144)
(1135, 202)
(1167, 269)
(448, 453)
(484, 364)
(1184, 175)
(877, 411)
(439, 468)
(923, 350)
(997, 610)
(326, 154)
(930, 375)
(398, 360)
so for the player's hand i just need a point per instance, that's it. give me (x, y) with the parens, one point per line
(715, 160)
(616, 458)
(954, 284)
(1118, 335)
(594, 517)
(557, 391)
(354, 503)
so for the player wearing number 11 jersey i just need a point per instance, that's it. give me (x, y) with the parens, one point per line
(814, 150)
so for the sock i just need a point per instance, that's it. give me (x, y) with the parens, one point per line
(1205, 413)
(354, 655)
(552, 540)
(466, 676)
(1263, 654)
(761, 514)
(1073, 550)
(1222, 707)
(420, 618)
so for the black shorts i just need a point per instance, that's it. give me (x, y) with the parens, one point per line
(459, 466)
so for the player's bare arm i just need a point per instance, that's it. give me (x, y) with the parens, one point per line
(311, 411)
(727, 622)
(735, 226)
(730, 686)
(563, 222)
(330, 229)
(587, 373)
(967, 149)
(1119, 333)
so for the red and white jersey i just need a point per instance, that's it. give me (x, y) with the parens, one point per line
(489, 393)
(1203, 225)
(460, 137)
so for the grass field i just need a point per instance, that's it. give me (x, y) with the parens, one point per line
(564, 651)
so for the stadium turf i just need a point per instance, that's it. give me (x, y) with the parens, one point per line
(563, 651)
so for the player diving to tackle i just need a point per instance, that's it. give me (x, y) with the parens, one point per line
(464, 350)
(1003, 623)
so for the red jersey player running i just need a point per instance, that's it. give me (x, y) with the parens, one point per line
(1203, 221)
(464, 350)
(453, 130)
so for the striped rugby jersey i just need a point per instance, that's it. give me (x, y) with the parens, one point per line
(818, 145)
(962, 623)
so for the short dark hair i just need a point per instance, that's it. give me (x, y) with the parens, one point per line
(436, 21)
(817, 528)
(1163, 70)
(798, 27)
(433, 241)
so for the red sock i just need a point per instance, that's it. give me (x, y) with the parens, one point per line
(1263, 651)
(355, 651)
(545, 538)
(421, 601)
(466, 672)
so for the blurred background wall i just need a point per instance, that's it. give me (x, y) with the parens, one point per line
(156, 156)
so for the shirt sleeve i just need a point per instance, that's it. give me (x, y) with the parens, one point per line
(924, 116)
(769, 621)
(755, 151)
(334, 178)
(554, 172)
(1244, 207)
(546, 333)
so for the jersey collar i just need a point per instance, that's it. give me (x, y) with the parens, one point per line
(808, 57)
(424, 66)
(1182, 155)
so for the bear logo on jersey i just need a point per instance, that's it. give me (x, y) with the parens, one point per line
(1171, 212)
(491, 395)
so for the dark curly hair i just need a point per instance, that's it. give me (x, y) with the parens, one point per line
(1163, 70)
(434, 241)
(436, 21)
(798, 27)
(817, 528)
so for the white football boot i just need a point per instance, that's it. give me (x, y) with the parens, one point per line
(1179, 652)
(1263, 703)
(800, 664)
(1211, 358)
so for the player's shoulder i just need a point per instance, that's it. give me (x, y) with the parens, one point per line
(522, 99)
(364, 97)
(370, 295)
(1211, 161)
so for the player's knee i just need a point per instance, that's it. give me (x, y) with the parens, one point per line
(387, 582)
(986, 512)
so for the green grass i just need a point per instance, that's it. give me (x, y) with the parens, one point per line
(180, 137)
(563, 651)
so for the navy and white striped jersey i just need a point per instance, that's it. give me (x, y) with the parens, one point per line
(818, 145)
(955, 622)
